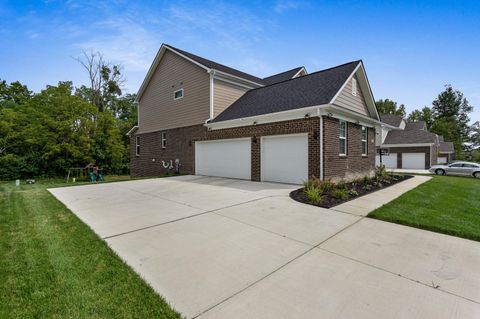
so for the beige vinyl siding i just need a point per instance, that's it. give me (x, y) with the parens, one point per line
(157, 108)
(349, 101)
(224, 94)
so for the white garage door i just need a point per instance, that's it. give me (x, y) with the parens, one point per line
(284, 158)
(442, 160)
(413, 160)
(390, 161)
(224, 158)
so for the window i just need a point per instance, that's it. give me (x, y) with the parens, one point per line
(364, 140)
(354, 87)
(137, 145)
(456, 165)
(343, 138)
(164, 140)
(178, 94)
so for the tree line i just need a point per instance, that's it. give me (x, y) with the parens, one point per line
(44, 134)
(447, 116)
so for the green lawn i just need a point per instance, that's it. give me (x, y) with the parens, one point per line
(53, 266)
(445, 204)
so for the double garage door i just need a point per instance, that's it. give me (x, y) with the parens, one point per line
(409, 160)
(283, 158)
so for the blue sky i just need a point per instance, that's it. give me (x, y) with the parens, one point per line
(411, 49)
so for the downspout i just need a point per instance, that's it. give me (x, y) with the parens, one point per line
(321, 144)
(212, 73)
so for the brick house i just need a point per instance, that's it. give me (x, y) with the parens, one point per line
(410, 145)
(218, 121)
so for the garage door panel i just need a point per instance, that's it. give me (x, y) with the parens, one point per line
(284, 158)
(389, 161)
(413, 160)
(224, 158)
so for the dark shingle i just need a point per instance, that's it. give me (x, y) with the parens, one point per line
(313, 89)
(410, 137)
(390, 119)
(280, 77)
(220, 67)
(419, 125)
(446, 147)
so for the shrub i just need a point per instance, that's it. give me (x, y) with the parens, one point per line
(314, 195)
(327, 186)
(365, 180)
(381, 173)
(340, 193)
(341, 185)
(353, 192)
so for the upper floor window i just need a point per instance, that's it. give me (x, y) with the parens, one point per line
(342, 137)
(354, 87)
(164, 140)
(364, 137)
(178, 94)
(137, 145)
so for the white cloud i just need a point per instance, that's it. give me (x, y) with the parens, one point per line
(282, 6)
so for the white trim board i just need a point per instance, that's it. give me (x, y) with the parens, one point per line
(407, 145)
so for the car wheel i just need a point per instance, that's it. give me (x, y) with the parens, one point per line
(442, 172)
(476, 174)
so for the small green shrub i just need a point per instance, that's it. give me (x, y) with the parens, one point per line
(341, 185)
(353, 192)
(341, 193)
(327, 186)
(314, 195)
(365, 180)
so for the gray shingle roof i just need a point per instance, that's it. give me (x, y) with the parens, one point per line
(280, 77)
(313, 89)
(218, 66)
(390, 119)
(410, 137)
(446, 147)
(419, 125)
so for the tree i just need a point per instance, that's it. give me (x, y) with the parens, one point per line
(14, 92)
(390, 107)
(450, 110)
(425, 115)
(105, 79)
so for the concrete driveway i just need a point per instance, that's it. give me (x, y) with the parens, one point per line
(221, 248)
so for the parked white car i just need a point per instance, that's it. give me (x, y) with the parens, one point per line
(457, 168)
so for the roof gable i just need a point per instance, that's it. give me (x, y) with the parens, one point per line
(318, 88)
(363, 85)
(391, 119)
(283, 76)
(206, 64)
(410, 137)
(419, 125)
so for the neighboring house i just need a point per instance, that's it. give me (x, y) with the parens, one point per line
(446, 151)
(219, 121)
(409, 145)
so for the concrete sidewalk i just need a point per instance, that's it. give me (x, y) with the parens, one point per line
(367, 203)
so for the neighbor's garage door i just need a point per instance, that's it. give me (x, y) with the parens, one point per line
(442, 160)
(224, 158)
(389, 161)
(413, 160)
(284, 158)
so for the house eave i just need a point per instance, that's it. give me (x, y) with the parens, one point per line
(305, 112)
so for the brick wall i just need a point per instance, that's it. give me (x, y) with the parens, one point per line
(180, 144)
(354, 164)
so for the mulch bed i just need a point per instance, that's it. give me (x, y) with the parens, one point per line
(330, 201)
